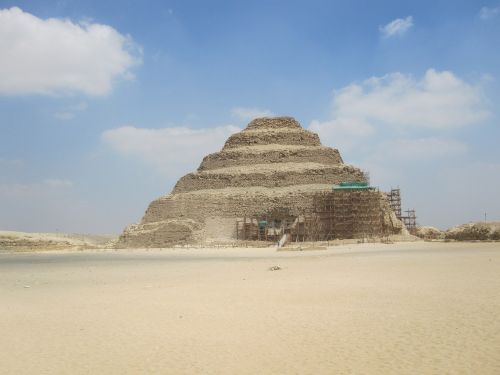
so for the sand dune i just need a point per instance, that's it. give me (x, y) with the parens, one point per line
(413, 308)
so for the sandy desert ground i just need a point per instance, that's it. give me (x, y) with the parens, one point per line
(412, 308)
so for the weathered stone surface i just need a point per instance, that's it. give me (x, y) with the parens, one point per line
(272, 164)
(231, 202)
(160, 233)
(478, 231)
(429, 233)
(269, 175)
(271, 154)
(273, 123)
(273, 136)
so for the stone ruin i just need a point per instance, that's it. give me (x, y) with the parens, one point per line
(272, 166)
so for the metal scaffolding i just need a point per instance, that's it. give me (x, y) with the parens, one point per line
(342, 214)
(394, 197)
(410, 219)
(337, 214)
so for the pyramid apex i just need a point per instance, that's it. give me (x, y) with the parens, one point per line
(279, 122)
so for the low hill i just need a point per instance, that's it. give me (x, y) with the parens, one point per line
(22, 241)
(485, 230)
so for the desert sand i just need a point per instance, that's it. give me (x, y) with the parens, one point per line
(405, 308)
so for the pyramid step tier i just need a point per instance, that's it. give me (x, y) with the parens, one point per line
(273, 123)
(269, 175)
(282, 136)
(272, 153)
(231, 202)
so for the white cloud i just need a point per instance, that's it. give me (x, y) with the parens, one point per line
(487, 13)
(398, 27)
(380, 108)
(344, 133)
(250, 113)
(174, 150)
(58, 56)
(439, 100)
(69, 112)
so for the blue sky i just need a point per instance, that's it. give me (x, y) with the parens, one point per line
(103, 105)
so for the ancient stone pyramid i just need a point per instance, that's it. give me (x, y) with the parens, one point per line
(273, 164)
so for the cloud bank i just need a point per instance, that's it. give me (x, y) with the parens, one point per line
(439, 100)
(57, 56)
(173, 151)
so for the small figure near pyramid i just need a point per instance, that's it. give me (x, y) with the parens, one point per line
(271, 179)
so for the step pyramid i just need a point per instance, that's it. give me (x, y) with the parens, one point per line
(273, 164)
